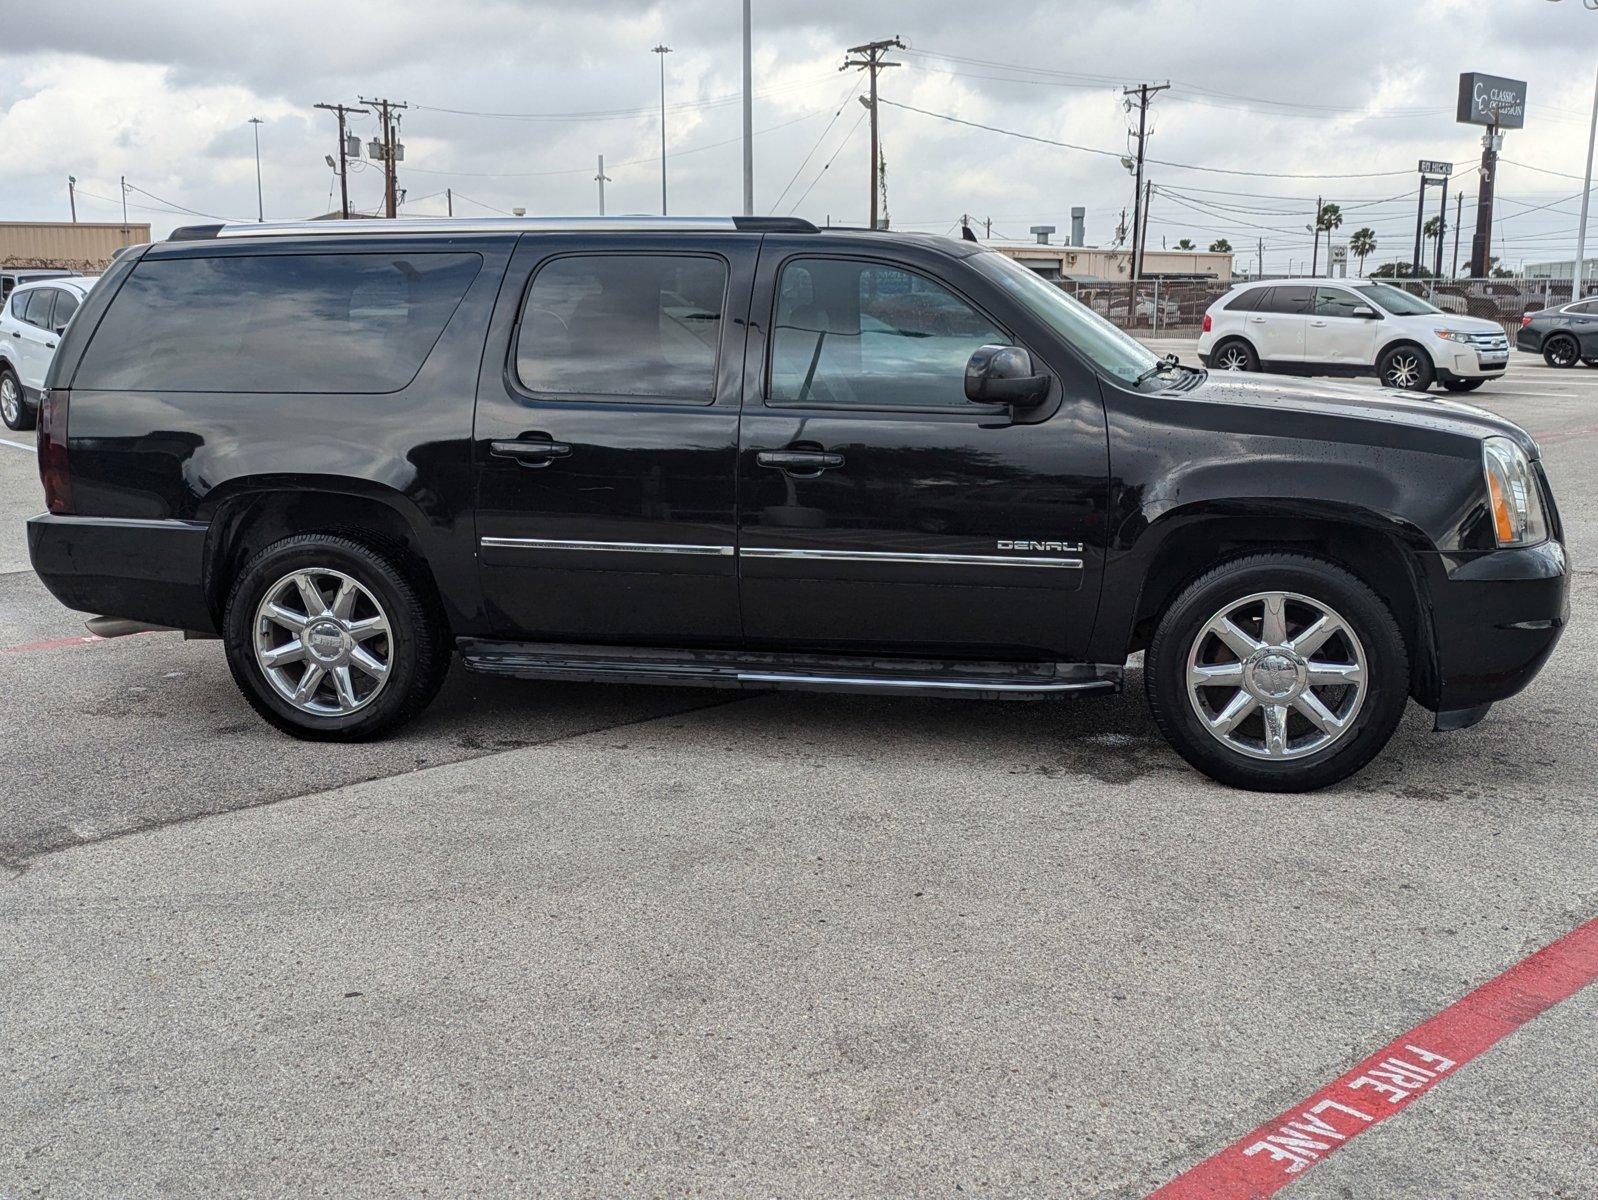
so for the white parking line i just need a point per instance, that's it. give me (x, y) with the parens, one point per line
(18, 445)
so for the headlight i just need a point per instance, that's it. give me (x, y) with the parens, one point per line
(1453, 335)
(1512, 494)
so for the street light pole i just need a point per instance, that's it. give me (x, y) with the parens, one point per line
(662, 50)
(1586, 193)
(749, 116)
(260, 206)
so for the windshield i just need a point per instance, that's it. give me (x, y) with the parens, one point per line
(1115, 351)
(1396, 301)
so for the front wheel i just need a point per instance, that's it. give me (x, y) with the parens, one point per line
(1463, 385)
(1277, 672)
(15, 411)
(330, 641)
(1561, 351)
(1407, 368)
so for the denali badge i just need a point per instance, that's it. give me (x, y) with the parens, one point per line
(1066, 547)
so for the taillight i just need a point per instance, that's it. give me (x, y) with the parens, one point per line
(1525, 319)
(1209, 322)
(53, 470)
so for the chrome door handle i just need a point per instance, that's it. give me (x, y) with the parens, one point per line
(799, 460)
(530, 453)
(1318, 324)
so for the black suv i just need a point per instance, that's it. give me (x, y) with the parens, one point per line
(750, 453)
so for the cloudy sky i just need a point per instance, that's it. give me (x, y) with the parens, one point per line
(1278, 101)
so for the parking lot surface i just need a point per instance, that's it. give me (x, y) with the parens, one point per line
(589, 940)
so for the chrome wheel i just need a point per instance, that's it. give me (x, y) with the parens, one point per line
(323, 642)
(1403, 370)
(1276, 675)
(1232, 358)
(10, 400)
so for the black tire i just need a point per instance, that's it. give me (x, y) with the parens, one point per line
(1589, 362)
(1234, 354)
(1561, 350)
(15, 410)
(1406, 367)
(1463, 385)
(1370, 724)
(416, 646)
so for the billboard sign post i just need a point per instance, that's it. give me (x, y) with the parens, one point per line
(1499, 104)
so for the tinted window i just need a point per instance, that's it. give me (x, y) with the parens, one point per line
(1290, 299)
(276, 323)
(1248, 301)
(36, 306)
(65, 305)
(1586, 307)
(1335, 302)
(623, 325)
(1396, 301)
(856, 333)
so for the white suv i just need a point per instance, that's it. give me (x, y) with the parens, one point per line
(1351, 327)
(31, 323)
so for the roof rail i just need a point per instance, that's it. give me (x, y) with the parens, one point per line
(448, 225)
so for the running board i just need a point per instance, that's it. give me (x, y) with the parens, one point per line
(797, 672)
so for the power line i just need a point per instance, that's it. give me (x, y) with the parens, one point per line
(816, 146)
(825, 166)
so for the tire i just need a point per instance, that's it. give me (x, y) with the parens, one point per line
(1589, 362)
(1367, 644)
(349, 700)
(1561, 351)
(1463, 385)
(1406, 367)
(15, 410)
(1234, 354)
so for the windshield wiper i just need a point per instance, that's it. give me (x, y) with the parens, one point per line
(1168, 363)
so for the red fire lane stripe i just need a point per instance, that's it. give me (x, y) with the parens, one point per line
(1279, 1151)
(56, 644)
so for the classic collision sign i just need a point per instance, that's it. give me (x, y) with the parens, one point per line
(1486, 99)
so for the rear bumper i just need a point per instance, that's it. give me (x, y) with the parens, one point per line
(1496, 618)
(143, 570)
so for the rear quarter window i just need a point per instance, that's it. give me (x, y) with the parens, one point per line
(309, 323)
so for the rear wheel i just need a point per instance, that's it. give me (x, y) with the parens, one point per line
(1463, 385)
(15, 411)
(1277, 672)
(1408, 368)
(1235, 356)
(330, 641)
(1561, 350)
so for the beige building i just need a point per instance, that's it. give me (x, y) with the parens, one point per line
(79, 245)
(1090, 264)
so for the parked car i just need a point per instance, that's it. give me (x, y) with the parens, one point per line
(10, 277)
(31, 323)
(1564, 336)
(1353, 327)
(703, 452)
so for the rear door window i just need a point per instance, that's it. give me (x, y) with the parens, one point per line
(65, 305)
(1249, 301)
(1291, 299)
(36, 306)
(308, 323)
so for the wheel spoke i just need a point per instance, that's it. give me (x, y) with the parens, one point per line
(369, 628)
(1317, 713)
(1275, 730)
(1273, 630)
(363, 658)
(344, 685)
(315, 606)
(344, 601)
(1315, 635)
(1325, 674)
(1219, 675)
(309, 682)
(288, 652)
(1238, 642)
(286, 617)
(1234, 714)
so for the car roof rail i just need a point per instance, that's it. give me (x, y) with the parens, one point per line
(459, 225)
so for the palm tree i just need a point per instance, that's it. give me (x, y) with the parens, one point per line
(1363, 243)
(1329, 218)
(1186, 244)
(1433, 226)
(1220, 246)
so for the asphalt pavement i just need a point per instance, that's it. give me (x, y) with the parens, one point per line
(581, 940)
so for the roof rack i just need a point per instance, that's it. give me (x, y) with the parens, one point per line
(192, 233)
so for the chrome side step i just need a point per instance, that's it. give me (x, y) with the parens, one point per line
(796, 672)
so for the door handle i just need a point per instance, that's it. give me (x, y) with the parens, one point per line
(1318, 324)
(49, 345)
(799, 460)
(530, 453)
(1256, 320)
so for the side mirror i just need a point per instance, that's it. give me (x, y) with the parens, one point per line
(1365, 311)
(1004, 375)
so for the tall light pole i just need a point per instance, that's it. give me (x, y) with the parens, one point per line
(749, 116)
(260, 206)
(662, 50)
(1586, 193)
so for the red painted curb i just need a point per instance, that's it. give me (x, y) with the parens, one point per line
(1279, 1151)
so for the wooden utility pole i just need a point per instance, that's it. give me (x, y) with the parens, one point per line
(1459, 216)
(343, 155)
(385, 110)
(871, 59)
(1144, 93)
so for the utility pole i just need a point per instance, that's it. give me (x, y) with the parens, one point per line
(662, 50)
(749, 115)
(260, 207)
(449, 201)
(871, 59)
(1259, 259)
(1144, 92)
(1586, 191)
(343, 154)
(1143, 242)
(1315, 251)
(390, 152)
(72, 196)
(124, 180)
(1481, 242)
(602, 180)
(1459, 219)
